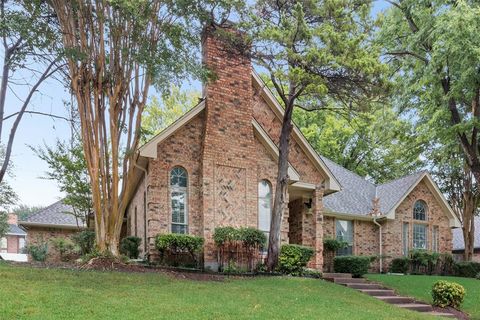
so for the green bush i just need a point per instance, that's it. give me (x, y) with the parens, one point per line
(38, 252)
(356, 265)
(85, 240)
(129, 246)
(400, 265)
(179, 243)
(447, 294)
(333, 245)
(467, 269)
(250, 237)
(64, 247)
(477, 276)
(424, 261)
(294, 258)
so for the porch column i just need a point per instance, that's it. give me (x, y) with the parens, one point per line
(318, 219)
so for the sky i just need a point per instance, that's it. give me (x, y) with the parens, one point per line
(35, 130)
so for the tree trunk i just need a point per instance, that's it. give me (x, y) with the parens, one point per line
(281, 190)
(468, 228)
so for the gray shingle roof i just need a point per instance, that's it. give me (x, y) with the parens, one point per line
(357, 194)
(56, 214)
(16, 230)
(459, 242)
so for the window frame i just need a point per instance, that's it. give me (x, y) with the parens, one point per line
(435, 238)
(269, 184)
(415, 234)
(425, 211)
(182, 190)
(348, 251)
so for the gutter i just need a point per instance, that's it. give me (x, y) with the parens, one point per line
(380, 242)
(48, 225)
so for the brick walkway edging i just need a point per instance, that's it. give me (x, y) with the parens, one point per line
(384, 294)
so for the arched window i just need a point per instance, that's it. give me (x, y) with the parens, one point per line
(420, 210)
(264, 206)
(178, 199)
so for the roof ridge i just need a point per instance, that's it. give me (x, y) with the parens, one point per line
(402, 177)
(350, 171)
(42, 210)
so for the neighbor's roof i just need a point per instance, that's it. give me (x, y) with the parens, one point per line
(57, 215)
(16, 230)
(358, 194)
(459, 242)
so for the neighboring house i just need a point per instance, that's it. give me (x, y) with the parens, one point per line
(11, 246)
(459, 243)
(217, 166)
(53, 221)
(404, 214)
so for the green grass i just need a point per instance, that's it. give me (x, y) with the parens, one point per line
(420, 287)
(30, 293)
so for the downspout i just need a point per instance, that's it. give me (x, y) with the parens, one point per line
(144, 208)
(380, 239)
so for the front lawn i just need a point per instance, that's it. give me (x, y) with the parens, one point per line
(420, 287)
(30, 293)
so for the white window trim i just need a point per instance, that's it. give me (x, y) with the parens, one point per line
(178, 189)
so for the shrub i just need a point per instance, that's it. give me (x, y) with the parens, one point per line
(447, 294)
(467, 269)
(64, 247)
(38, 252)
(400, 265)
(294, 258)
(178, 244)
(477, 276)
(333, 245)
(85, 240)
(423, 261)
(356, 265)
(236, 244)
(129, 246)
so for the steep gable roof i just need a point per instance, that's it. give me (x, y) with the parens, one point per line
(57, 215)
(358, 194)
(458, 240)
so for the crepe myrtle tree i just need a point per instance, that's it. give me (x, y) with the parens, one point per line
(313, 52)
(116, 51)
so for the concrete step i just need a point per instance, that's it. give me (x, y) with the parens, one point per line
(378, 292)
(349, 280)
(363, 285)
(440, 314)
(336, 275)
(395, 299)
(416, 306)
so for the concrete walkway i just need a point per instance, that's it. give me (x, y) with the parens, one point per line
(385, 294)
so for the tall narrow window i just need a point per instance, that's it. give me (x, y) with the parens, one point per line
(420, 210)
(264, 206)
(21, 244)
(420, 236)
(178, 200)
(435, 239)
(405, 239)
(344, 232)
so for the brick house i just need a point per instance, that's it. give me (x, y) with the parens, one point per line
(56, 220)
(11, 246)
(217, 165)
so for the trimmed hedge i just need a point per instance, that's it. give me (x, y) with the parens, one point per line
(294, 258)
(250, 237)
(447, 294)
(467, 269)
(400, 265)
(356, 265)
(129, 246)
(179, 243)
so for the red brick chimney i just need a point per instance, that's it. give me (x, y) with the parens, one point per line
(12, 218)
(228, 148)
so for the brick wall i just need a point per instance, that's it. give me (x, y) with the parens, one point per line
(36, 235)
(12, 244)
(136, 215)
